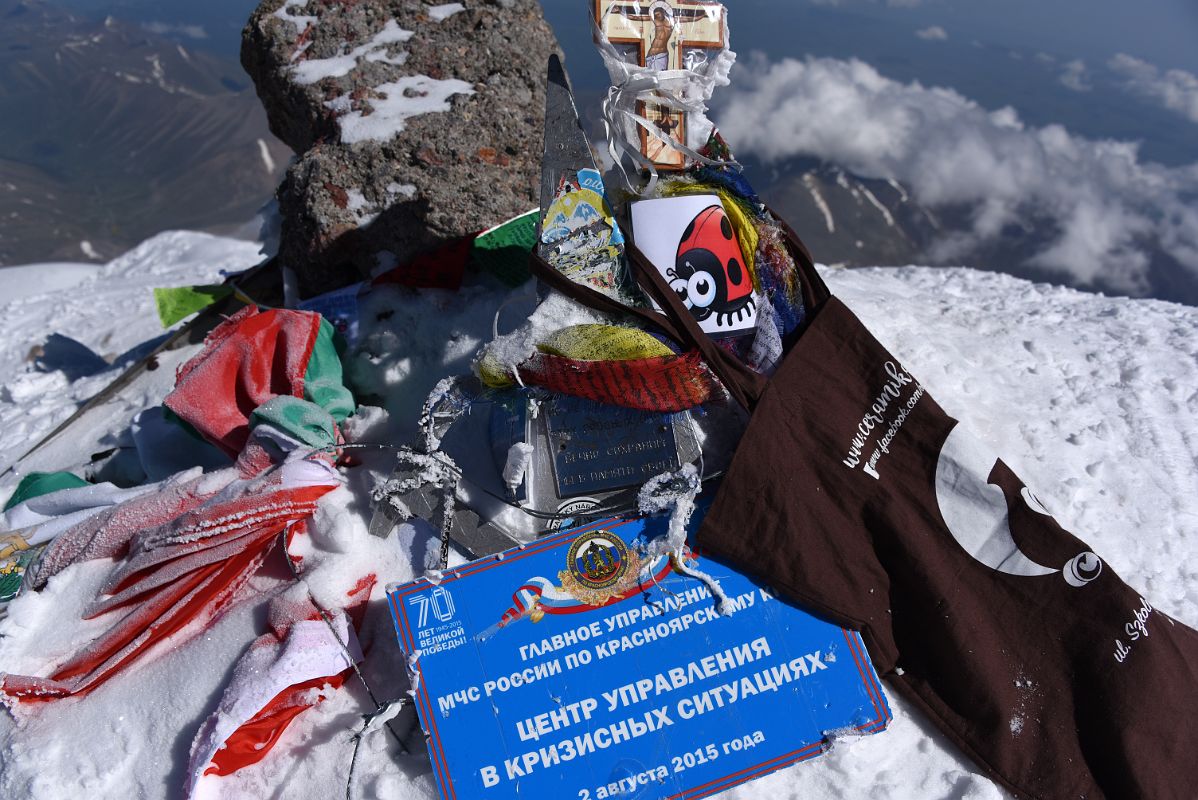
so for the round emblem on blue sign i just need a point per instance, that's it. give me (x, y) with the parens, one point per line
(598, 559)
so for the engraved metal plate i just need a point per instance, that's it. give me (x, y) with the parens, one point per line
(600, 448)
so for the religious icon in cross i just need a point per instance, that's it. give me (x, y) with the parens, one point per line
(663, 35)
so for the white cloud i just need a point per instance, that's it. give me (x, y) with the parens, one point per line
(171, 29)
(1175, 89)
(1075, 76)
(1097, 200)
(933, 34)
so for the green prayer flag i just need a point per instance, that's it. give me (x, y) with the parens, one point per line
(503, 250)
(36, 484)
(175, 304)
(301, 419)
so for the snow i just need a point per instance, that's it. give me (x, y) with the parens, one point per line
(424, 337)
(109, 308)
(444, 11)
(393, 104)
(267, 160)
(308, 72)
(17, 283)
(405, 191)
(820, 202)
(300, 21)
(1092, 400)
(883, 210)
(156, 77)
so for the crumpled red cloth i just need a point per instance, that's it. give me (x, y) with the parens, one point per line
(188, 568)
(247, 360)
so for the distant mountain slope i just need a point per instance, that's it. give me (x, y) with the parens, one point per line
(854, 221)
(169, 137)
(845, 219)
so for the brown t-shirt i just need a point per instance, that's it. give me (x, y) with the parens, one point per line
(856, 496)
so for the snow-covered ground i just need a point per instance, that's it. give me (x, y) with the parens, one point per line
(109, 309)
(17, 283)
(1092, 400)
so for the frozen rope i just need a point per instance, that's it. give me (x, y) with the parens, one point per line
(381, 716)
(353, 767)
(386, 488)
(445, 404)
(449, 491)
(675, 492)
(661, 587)
(423, 469)
(426, 469)
(517, 298)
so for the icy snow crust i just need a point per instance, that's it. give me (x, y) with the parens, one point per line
(108, 308)
(444, 11)
(1094, 401)
(393, 104)
(314, 70)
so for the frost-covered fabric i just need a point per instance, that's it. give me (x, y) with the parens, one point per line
(253, 357)
(44, 517)
(324, 383)
(187, 551)
(37, 484)
(303, 421)
(283, 673)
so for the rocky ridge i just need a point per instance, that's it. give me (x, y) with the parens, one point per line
(413, 124)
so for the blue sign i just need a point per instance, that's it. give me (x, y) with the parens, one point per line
(586, 667)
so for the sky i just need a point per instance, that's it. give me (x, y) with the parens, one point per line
(881, 32)
(1078, 118)
(1054, 61)
(1014, 52)
(1162, 31)
(1075, 120)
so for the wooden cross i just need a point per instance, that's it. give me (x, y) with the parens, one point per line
(659, 34)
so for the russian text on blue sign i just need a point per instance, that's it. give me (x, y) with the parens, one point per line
(524, 691)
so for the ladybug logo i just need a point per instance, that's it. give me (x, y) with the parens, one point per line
(709, 274)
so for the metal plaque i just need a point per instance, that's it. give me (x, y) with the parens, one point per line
(599, 448)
